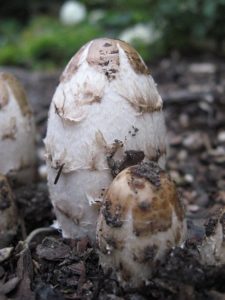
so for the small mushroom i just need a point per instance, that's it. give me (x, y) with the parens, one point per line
(141, 219)
(212, 249)
(8, 213)
(106, 114)
(17, 132)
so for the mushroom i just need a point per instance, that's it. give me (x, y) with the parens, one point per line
(106, 114)
(8, 213)
(141, 219)
(212, 249)
(17, 132)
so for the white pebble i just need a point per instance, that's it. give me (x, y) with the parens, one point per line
(42, 171)
(221, 137)
(193, 208)
(189, 178)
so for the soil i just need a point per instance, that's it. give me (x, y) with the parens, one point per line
(42, 265)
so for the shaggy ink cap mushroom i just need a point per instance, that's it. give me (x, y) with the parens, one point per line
(106, 114)
(17, 130)
(141, 219)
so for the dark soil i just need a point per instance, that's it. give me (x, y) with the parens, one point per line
(44, 266)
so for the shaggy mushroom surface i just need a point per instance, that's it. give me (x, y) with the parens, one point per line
(106, 114)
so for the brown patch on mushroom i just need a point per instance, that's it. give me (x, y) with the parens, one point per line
(130, 158)
(169, 244)
(72, 66)
(116, 204)
(138, 183)
(177, 236)
(134, 58)
(4, 95)
(148, 170)
(88, 94)
(155, 154)
(156, 217)
(10, 131)
(170, 189)
(90, 97)
(112, 212)
(144, 205)
(67, 213)
(114, 243)
(124, 271)
(93, 163)
(103, 55)
(153, 213)
(140, 104)
(18, 92)
(147, 255)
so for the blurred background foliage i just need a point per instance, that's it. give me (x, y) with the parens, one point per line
(38, 34)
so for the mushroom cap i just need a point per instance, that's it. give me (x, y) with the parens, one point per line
(17, 132)
(105, 105)
(141, 219)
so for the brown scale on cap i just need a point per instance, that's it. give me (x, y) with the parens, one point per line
(4, 96)
(157, 207)
(18, 92)
(103, 55)
(10, 131)
(134, 58)
(72, 66)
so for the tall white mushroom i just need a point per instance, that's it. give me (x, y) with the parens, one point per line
(141, 219)
(17, 132)
(106, 114)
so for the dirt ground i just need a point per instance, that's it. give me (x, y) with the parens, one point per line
(43, 266)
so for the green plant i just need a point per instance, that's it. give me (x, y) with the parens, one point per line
(189, 22)
(47, 43)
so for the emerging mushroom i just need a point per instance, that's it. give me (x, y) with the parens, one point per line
(212, 249)
(17, 132)
(8, 213)
(141, 219)
(106, 114)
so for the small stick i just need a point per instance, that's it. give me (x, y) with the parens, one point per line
(58, 174)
